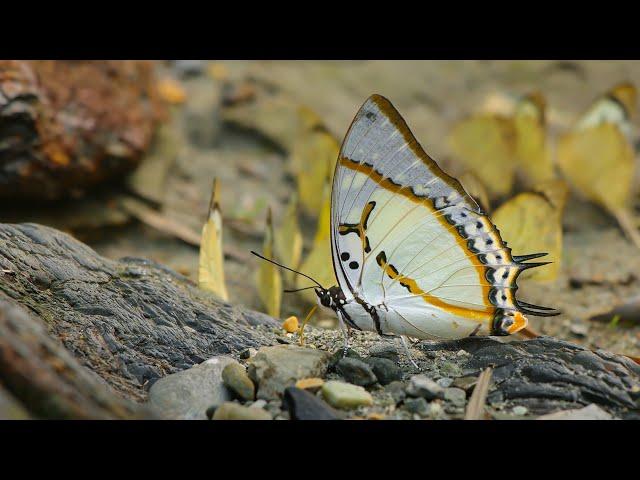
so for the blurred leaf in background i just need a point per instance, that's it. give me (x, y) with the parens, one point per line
(268, 277)
(318, 263)
(288, 239)
(211, 268)
(485, 144)
(533, 151)
(598, 159)
(531, 222)
(474, 187)
(312, 152)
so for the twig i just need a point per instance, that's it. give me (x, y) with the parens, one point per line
(475, 409)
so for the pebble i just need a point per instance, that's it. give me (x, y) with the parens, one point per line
(235, 411)
(187, 395)
(396, 390)
(579, 329)
(385, 370)
(312, 384)
(465, 383)
(277, 367)
(445, 382)
(520, 410)
(339, 355)
(259, 404)
(236, 379)
(247, 353)
(384, 350)
(345, 395)
(417, 405)
(290, 324)
(450, 369)
(423, 386)
(590, 412)
(356, 371)
(457, 396)
(303, 405)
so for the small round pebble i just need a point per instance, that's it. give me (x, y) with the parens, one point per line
(235, 411)
(290, 324)
(520, 410)
(423, 386)
(356, 371)
(236, 379)
(417, 405)
(313, 384)
(345, 395)
(445, 382)
(385, 370)
(457, 396)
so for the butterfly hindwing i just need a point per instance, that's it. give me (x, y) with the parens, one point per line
(408, 238)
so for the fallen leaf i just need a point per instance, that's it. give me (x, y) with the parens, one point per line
(485, 144)
(532, 222)
(268, 277)
(288, 239)
(171, 91)
(211, 266)
(533, 151)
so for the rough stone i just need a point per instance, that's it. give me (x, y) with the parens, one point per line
(356, 371)
(423, 386)
(303, 405)
(590, 412)
(417, 405)
(385, 370)
(275, 368)
(345, 395)
(236, 379)
(188, 394)
(235, 411)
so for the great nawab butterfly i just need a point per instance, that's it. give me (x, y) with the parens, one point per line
(413, 253)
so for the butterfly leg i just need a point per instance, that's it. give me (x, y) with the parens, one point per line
(345, 333)
(403, 339)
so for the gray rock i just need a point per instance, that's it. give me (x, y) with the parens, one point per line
(417, 405)
(236, 379)
(397, 391)
(590, 412)
(385, 350)
(340, 354)
(385, 370)
(275, 368)
(188, 394)
(356, 371)
(450, 369)
(445, 382)
(303, 405)
(345, 395)
(423, 386)
(520, 410)
(235, 411)
(247, 353)
(457, 396)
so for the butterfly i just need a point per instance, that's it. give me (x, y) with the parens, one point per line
(413, 254)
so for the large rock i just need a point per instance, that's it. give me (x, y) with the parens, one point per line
(130, 321)
(68, 125)
(188, 394)
(275, 368)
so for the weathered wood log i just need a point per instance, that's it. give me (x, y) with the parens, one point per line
(130, 322)
(68, 125)
(133, 321)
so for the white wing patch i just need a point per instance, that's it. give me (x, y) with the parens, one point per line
(409, 241)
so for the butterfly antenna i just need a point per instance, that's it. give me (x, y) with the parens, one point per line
(298, 290)
(287, 268)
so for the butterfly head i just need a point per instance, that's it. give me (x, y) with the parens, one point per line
(330, 298)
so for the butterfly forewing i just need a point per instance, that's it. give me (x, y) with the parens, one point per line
(406, 236)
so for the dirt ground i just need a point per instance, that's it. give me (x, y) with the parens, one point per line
(598, 289)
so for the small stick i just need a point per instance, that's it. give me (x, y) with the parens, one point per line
(475, 409)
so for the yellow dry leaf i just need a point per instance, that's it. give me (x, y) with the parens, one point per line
(313, 152)
(599, 164)
(485, 144)
(291, 324)
(533, 151)
(319, 263)
(268, 277)
(617, 106)
(211, 266)
(171, 91)
(288, 239)
(531, 222)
